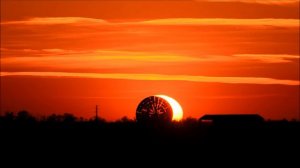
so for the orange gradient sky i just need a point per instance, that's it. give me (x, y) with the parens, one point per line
(212, 56)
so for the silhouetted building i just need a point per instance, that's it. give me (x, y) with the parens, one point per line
(233, 119)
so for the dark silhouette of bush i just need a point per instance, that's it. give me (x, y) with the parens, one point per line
(25, 117)
(8, 117)
(68, 118)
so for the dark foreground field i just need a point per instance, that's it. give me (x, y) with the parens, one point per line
(50, 139)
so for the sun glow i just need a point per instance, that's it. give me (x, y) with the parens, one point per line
(176, 108)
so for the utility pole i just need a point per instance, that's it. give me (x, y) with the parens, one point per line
(96, 119)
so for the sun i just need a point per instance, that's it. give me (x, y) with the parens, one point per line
(176, 108)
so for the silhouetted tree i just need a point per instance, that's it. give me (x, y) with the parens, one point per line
(7, 119)
(25, 117)
(9, 116)
(190, 122)
(53, 118)
(68, 118)
(125, 119)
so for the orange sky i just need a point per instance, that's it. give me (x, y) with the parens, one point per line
(213, 56)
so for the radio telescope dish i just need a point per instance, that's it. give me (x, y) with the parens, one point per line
(154, 109)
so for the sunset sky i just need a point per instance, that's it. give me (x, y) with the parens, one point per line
(212, 56)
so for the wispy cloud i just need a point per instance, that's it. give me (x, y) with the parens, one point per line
(260, 58)
(57, 20)
(268, 58)
(254, 96)
(279, 2)
(224, 22)
(82, 21)
(59, 58)
(159, 77)
(95, 59)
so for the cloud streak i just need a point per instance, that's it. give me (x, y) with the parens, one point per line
(82, 21)
(95, 59)
(59, 58)
(57, 21)
(278, 2)
(224, 22)
(268, 58)
(160, 77)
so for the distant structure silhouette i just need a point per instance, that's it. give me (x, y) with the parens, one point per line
(154, 109)
(96, 117)
(96, 111)
(233, 119)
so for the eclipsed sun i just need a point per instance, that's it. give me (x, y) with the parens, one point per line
(176, 108)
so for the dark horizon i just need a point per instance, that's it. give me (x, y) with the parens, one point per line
(67, 136)
(126, 133)
(77, 118)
